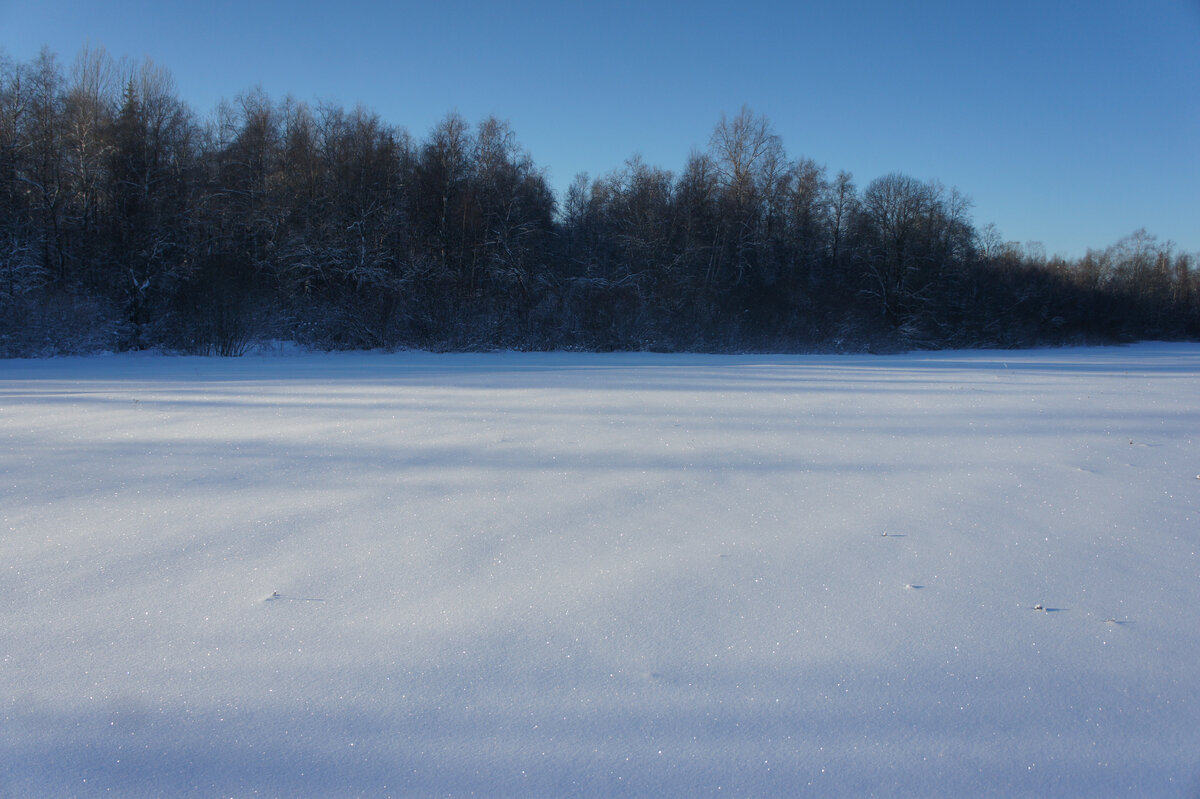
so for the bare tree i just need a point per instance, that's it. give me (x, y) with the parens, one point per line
(912, 233)
(750, 163)
(89, 118)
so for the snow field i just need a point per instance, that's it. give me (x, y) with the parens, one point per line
(602, 575)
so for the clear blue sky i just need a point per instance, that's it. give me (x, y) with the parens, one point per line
(1069, 123)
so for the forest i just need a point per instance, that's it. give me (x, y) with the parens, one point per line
(127, 221)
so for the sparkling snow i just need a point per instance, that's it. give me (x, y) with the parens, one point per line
(546, 575)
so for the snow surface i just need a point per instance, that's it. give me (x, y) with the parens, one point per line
(546, 575)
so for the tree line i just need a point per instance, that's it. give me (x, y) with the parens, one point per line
(129, 222)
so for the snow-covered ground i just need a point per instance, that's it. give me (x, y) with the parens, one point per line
(547, 575)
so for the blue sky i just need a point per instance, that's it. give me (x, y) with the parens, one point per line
(1068, 123)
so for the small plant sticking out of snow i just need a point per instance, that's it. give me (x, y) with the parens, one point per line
(276, 596)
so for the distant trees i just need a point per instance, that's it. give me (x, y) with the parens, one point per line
(751, 169)
(126, 221)
(914, 241)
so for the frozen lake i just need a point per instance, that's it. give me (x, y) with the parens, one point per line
(544, 575)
